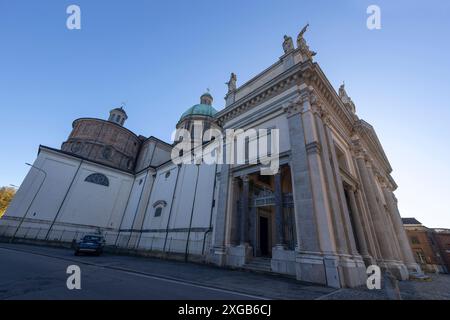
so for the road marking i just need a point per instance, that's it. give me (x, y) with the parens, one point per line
(143, 274)
(328, 295)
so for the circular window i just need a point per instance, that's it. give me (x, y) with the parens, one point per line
(167, 174)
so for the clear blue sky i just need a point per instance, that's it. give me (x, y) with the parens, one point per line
(159, 56)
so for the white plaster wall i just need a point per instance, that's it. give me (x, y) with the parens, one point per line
(92, 204)
(154, 153)
(162, 155)
(145, 155)
(82, 206)
(60, 171)
(133, 202)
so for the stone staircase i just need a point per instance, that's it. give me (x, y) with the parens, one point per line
(419, 276)
(259, 264)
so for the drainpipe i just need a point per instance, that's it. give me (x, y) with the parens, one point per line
(137, 208)
(146, 208)
(32, 200)
(123, 215)
(192, 214)
(212, 210)
(171, 206)
(64, 199)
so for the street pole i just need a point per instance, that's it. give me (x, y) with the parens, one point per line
(31, 203)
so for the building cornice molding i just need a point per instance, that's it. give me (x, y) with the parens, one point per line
(289, 78)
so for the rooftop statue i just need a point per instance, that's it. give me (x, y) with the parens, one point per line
(288, 44)
(301, 43)
(232, 83)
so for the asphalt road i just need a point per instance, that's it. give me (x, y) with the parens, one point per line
(34, 275)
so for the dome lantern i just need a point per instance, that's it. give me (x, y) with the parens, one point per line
(118, 116)
(206, 98)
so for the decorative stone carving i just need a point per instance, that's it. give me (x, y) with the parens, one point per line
(357, 149)
(293, 107)
(303, 46)
(346, 99)
(232, 83)
(288, 44)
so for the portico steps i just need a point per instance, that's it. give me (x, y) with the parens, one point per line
(259, 264)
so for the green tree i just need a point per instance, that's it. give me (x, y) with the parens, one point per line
(6, 195)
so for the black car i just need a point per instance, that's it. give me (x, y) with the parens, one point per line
(92, 244)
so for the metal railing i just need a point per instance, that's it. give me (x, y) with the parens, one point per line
(199, 242)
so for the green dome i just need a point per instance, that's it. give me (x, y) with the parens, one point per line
(199, 110)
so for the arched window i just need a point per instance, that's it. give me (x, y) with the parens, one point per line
(98, 178)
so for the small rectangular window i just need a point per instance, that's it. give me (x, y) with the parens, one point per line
(158, 212)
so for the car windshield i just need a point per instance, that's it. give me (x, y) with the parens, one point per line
(92, 238)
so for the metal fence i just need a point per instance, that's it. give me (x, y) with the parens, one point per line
(198, 244)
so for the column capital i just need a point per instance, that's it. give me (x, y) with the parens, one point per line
(245, 178)
(313, 147)
(293, 107)
(358, 151)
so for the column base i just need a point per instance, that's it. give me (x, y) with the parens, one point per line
(217, 256)
(414, 268)
(397, 268)
(353, 269)
(283, 261)
(237, 256)
(317, 268)
(369, 260)
(333, 270)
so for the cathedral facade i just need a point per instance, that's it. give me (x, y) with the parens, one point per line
(326, 215)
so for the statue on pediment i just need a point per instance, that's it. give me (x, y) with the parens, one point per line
(288, 44)
(232, 83)
(302, 45)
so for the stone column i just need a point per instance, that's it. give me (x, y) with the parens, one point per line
(336, 214)
(244, 210)
(379, 223)
(312, 220)
(341, 195)
(405, 247)
(279, 220)
(235, 216)
(386, 218)
(351, 264)
(217, 255)
(379, 220)
(363, 208)
(359, 227)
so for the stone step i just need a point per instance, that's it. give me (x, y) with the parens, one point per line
(419, 276)
(259, 264)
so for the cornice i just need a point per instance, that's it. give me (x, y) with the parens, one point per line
(272, 88)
